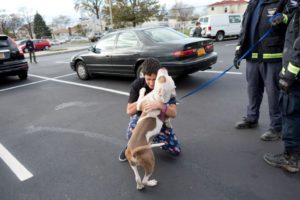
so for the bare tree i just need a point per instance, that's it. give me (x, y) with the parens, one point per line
(28, 19)
(182, 11)
(91, 6)
(4, 18)
(61, 21)
(15, 22)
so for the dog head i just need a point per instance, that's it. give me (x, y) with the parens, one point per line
(164, 85)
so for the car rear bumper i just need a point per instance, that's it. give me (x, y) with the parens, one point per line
(190, 66)
(13, 68)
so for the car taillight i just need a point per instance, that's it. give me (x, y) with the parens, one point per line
(209, 48)
(209, 28)
(184, 53)
(21, 53)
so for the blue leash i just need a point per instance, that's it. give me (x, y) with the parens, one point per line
(229, 68)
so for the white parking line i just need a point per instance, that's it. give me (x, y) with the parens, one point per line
(24, 85)
(82, 85)
(232, 44)
(219, 72)
(17, 168)
(61, 62)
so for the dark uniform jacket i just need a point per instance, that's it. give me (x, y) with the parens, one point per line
(291, 57)
(29, 45)
(270, 49)
(197, 32)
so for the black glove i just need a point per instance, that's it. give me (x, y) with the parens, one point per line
(286, 80)
(285, 84)
(236, 61)
(278, 21)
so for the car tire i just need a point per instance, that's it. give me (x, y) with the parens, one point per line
(46, 48)
(82, 72)
(23, 75)
(139, 73)
(220, 36)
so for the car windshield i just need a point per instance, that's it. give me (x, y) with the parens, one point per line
(164, 34)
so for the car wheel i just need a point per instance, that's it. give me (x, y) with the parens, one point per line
(23, 75)
(46, 48)
(81, 70)
(220, 36)
(139, 73)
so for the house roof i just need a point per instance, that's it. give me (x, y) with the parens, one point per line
(228, 2)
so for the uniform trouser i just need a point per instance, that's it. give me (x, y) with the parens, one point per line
(32, 54)
(262, 75)
(290, 104)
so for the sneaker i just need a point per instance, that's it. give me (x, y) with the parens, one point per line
(246, 124)
(286, 161)
(271, 135)
(122, 156)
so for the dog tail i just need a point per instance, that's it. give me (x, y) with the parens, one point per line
(145, 147)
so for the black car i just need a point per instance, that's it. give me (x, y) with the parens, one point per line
(122, 53)
(12, 61)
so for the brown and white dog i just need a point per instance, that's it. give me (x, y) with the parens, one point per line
(139, 150)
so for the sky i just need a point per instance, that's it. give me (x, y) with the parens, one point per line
(53, 8)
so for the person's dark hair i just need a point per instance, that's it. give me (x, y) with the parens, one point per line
(197, 23)
(150, 66)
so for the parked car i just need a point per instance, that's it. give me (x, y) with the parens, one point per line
(79, 39)
(54, 42)
(12, 61)
(94, 37)
(219, 26)
(39, 44)
(122, 53)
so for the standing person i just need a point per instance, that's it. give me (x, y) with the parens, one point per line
(150, 68)
(197, 30)
(290, 99)
(30, 47)
(263, 64)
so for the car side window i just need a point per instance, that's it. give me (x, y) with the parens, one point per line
(127, 40)
(107, 43)
(235, 19)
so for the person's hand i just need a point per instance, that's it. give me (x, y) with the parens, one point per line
(277, 21)
(285, 84)
(286, 80)
(236, 62)
(153, 105)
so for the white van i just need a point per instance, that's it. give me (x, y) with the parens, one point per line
(221, 25)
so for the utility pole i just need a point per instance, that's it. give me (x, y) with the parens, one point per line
(110, 12)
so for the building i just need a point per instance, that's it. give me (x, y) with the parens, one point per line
(227, 6)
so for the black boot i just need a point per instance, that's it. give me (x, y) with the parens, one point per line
(271, 135)
(246, 124)
(288, 160)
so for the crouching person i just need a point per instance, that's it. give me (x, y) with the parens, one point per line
(150, 68)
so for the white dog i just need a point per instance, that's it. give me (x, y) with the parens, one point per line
(164, 89)
(139, 150)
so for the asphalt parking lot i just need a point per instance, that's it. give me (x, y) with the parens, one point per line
(66, 134)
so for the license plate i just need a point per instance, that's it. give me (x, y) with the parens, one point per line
(2, 56)
(201, 52)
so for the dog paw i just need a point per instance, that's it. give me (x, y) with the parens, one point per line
(152, 182)
(139, 186)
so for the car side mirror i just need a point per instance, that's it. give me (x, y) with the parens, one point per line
(91, 48)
